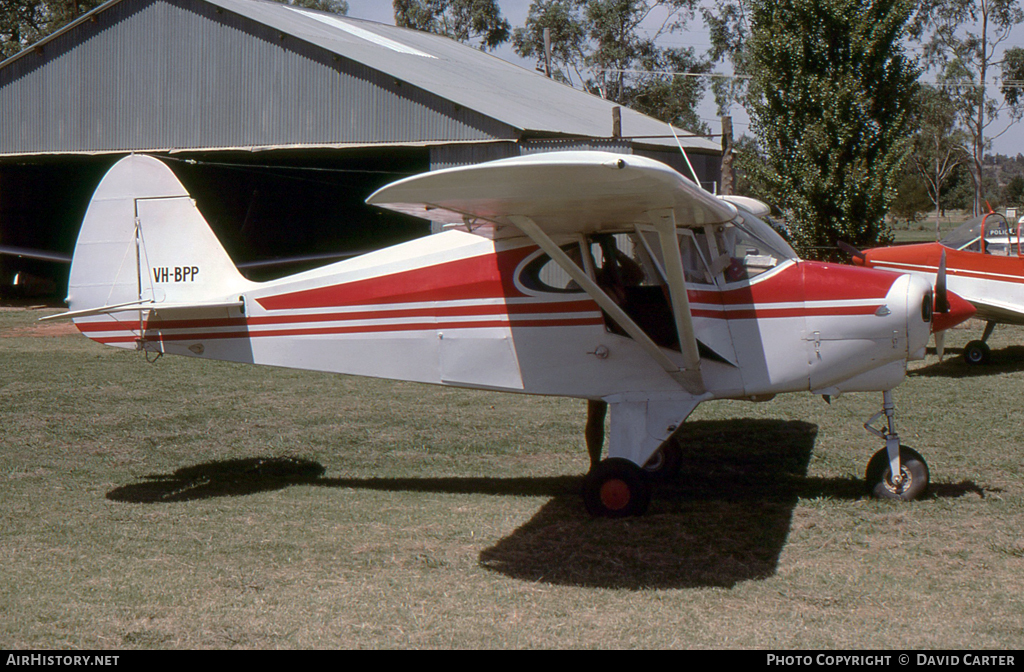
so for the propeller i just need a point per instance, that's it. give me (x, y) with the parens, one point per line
(941, 298)
(941, 304)
(850, 250)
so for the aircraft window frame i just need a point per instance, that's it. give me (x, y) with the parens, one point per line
(528, 278)
(996, 243)
(973, 236)
(658, 263)
(779, 250)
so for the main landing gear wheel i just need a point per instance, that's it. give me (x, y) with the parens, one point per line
(977, 352)
(616, 488)
(665, 464)
(914, 471)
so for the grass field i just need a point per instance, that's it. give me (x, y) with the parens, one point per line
(190, 504)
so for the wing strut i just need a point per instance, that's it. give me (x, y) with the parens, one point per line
(689, 379)
(664, 222)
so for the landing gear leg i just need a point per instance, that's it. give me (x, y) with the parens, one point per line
(978, 352)
(594, 431)
(896, 471)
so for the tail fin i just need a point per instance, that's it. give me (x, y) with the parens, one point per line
(144, 241)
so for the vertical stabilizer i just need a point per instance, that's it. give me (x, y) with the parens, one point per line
(143, 239)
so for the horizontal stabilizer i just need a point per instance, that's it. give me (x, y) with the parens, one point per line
(143, 305)
(42, 255)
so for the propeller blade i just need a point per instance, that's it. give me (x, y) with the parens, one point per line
(941, 298)
(850, 250)
(940, 343)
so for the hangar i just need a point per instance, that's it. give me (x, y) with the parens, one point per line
(279, 120)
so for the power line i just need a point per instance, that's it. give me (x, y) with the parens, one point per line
(672, 73)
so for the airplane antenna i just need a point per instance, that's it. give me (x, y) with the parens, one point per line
(690, 165)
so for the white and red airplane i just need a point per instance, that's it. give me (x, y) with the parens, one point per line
(984, 264)
(580, 274)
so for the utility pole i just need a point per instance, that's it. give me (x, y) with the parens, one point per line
(728, 182)
(547, 52)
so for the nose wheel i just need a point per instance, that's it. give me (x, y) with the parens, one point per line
(913, 480)
(896, 471)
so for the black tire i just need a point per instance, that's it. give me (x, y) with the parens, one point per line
(616, 488)
(665, 464)
(878, 475)
(977, 352)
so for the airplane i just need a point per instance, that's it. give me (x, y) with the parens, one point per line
(587, 275)
(983, 263)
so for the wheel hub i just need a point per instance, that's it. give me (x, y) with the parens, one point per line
(904, 481)
(615, 495)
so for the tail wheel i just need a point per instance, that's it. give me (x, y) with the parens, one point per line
(616, 488)
(977, 352)
(914, 471)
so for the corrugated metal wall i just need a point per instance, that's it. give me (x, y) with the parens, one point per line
(174, 74)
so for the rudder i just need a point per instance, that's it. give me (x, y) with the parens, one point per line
(143, 239)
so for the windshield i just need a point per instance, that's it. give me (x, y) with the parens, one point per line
(999, 235)
(746, 247)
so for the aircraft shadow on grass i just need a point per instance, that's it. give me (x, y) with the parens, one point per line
(1004, 360)
(724, 520)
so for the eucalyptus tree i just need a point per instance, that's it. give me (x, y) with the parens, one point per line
(476, 22)
(23, 22)
(964, 44)
(939, 144)
(611, 49)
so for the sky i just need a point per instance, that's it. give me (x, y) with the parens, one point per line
(1009, 143)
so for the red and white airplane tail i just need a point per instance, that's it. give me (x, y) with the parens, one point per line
(144, 242)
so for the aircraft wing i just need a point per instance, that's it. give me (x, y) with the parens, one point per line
(997, 311)
(563, 192)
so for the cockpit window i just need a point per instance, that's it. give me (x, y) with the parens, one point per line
(746, 247)
(543, 274)
(990, 233)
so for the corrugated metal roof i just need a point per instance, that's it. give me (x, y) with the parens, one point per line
(178, 74)
(521, 98)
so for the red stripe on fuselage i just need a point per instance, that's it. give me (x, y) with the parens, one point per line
(484, 276)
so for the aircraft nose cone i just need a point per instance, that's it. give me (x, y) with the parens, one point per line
(959, 310)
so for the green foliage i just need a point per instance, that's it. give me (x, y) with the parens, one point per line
(332, 6)
(467, 21)
(962, 41)
(939, 144)
(912, 198)
(23, 22)
(600, 46)
(830, 102)
(1014, 192)
(1013, 78)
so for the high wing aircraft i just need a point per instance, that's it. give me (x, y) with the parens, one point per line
(579, 274)
(984, 264)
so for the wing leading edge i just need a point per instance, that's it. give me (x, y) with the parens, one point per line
(563, 192)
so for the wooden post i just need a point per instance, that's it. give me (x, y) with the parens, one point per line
(728, 182)
(547, 52)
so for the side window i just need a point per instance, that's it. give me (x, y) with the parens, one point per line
(692, 250)
(997, 235)
(694, 268)
(741, 255)
(542, 274)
